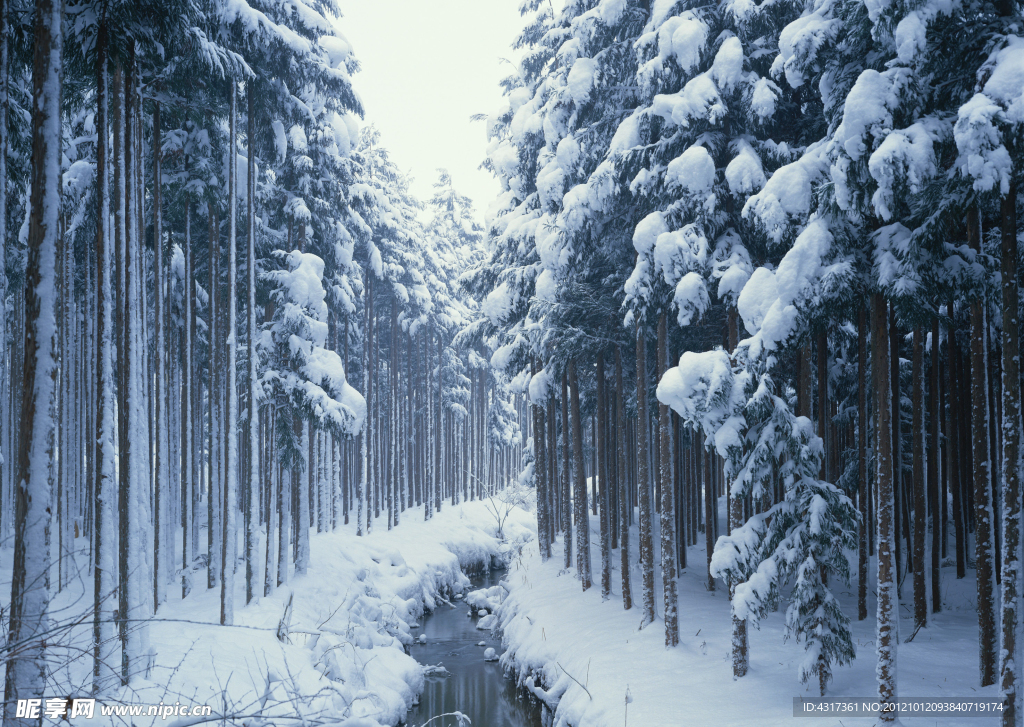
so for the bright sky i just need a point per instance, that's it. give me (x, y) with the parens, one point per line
(427, 66)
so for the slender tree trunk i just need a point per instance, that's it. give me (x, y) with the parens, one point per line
(822, 346)
(365, 442)
(919, 454)
(160, 491)
(212, 521)
(188, 502)
(862, 463)
(982, 475)
(104, 537)
(6, 355)
(30, 590)
(252, 440)
(121, 323)
(901, 492)
(541, 474)
(438, 431)
(740, 642)
(568, 514)
(582, 518)
(934, 452)
(643, 477)
(886, 627)
(953, 463)
(227, 588)
(668, 515)
(1011, 428)
(139, 455)
(624, 495)
(306, 466)
(602, 476)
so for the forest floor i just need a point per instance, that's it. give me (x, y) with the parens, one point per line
(611, 673)
(343, 661)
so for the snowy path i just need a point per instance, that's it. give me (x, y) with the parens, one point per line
(594, 651)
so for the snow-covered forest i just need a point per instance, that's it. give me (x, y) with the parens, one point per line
(729, 368)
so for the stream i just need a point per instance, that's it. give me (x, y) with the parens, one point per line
(475, 687)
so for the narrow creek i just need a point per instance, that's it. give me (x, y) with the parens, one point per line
(473, 686)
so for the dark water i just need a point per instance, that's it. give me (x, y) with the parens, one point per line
(475, 687)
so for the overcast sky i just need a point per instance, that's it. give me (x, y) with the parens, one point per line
(427, 66)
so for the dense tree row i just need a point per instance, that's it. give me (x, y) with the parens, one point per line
(226, 321)
(792, 227)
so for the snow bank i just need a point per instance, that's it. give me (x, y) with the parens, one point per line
(345, 627)
(592, 664)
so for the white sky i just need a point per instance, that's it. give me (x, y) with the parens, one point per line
(427, 66)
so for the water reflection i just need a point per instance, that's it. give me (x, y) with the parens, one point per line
(474, 687)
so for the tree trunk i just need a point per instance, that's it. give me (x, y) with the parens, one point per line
(643, 480)
(624, 498)
(901, 491)
(229, 545)
(1011, 426)
(982, 474)
(934, 451)
(953, 464)
(30, 590)
(582, 518)
(188, 502)
(213, 493)
(104, 537)
(161, 490)
(822, 346)
(602, 476)
(918, 453)
(568, 514)
(252, 425)
(540, 472)
(365, 441)
(668, 515)
(862, 463)
(303, 490)
(740, 644)
(886, 628)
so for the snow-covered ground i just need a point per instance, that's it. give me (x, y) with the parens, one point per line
(344, 660)
(602, 670)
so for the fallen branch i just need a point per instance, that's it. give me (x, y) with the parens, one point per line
(576, 680)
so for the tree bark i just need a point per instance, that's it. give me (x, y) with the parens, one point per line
(30, 590)
(104, 538)
(568, 514)
(188, 501)
(740, 643)
(901, 492)
(541, 473)
(862, 463)
(919, 454)
(953, 462)
(582, 518)
(252, 424)
(228, 548)
(602, 476)
(934, 452)
(644, 480)
(668, 515)
(982, 475)
(1011, 426)
(887, 601)
(624, 497)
